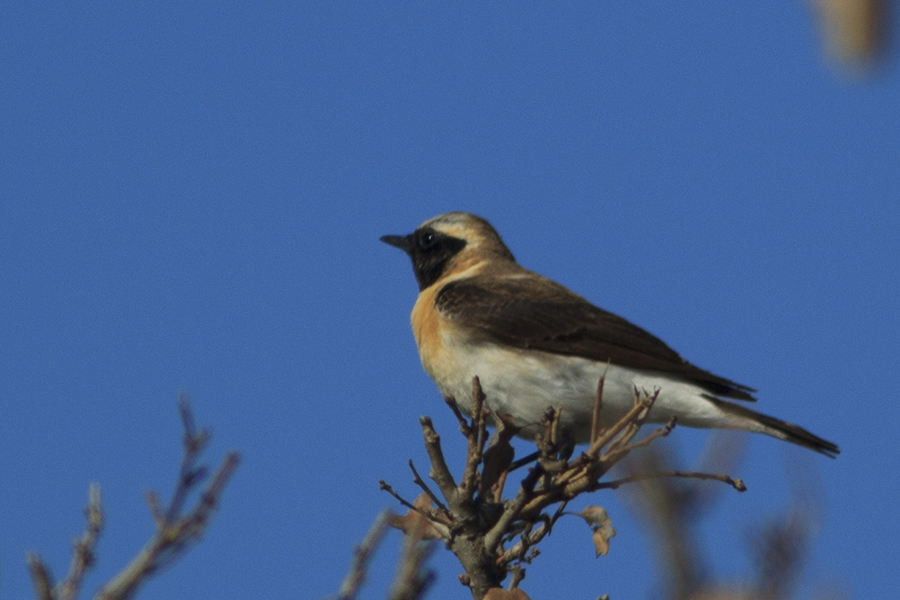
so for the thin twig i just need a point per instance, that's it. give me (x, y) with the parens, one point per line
(614, 484)
(384, 485)
(609, 434)
(83, 549)
(194, 443)
(598, 404)
(460, 418)
(476, 438)
(175, 533)
(513, 509)
(421, 483)
(619, 451)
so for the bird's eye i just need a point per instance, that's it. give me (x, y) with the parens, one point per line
(427, 239)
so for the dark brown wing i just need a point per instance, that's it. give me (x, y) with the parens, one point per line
(531, 311)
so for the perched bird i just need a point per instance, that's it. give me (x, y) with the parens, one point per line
(534, 343)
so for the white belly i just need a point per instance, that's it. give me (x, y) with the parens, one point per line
(523, 383)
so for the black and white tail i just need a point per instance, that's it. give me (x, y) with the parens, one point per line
(781, 429)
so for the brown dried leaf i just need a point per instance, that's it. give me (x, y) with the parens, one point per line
(506, 426)
(497, 459)
(413, 523)
(499, 455)
(601, 525)
(501, 594)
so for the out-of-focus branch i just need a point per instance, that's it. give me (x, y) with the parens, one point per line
(41, 578)
(672, 513)
(175, 532)
(83, 552)
(667, 510)
(362, 554)
(412, 578)
(83, 556)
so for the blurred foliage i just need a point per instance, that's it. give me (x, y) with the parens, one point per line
(854, 32)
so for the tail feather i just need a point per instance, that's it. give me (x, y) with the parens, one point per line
(782, 429)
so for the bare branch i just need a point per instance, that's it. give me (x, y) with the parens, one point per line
(417, 479)
(513, 509)
(477, 526)
(614, 484)
(608, 435)
(461, 419)
(175, 532)
(83, 549)
(387, 488)
(440, 473)
(476, 438)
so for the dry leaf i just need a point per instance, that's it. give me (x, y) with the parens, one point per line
(601, 525)
(498, 457)
(413, 523)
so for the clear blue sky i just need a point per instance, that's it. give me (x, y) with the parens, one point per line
(191, 196)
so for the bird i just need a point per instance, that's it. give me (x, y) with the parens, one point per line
(533, 343)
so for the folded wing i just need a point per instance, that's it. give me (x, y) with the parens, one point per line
(529, 311)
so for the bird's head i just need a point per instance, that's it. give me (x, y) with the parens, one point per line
(449, 243)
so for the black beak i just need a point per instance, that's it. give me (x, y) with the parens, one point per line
(404, 242)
